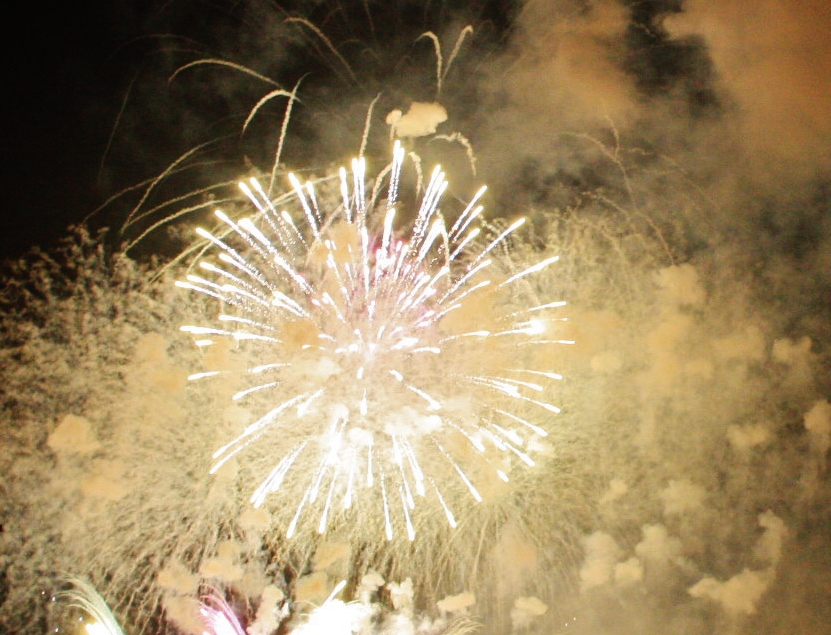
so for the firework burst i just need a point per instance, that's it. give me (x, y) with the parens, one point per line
(389, 373)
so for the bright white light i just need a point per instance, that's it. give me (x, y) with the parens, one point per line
(340, 314)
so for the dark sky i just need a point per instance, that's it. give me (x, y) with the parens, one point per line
(63, 76)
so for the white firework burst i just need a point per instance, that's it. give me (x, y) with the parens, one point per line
(387, 371)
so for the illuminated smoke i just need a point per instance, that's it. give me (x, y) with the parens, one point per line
(684, 488)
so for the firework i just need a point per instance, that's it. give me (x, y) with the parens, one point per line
(388, 369)
(218, 616)
(82, 595)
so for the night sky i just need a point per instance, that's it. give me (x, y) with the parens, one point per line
(63, 77)
(666, 73)
(68, 70)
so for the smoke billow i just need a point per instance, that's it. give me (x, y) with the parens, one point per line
(674, 154)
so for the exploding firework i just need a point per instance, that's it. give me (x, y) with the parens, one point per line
(385, 370)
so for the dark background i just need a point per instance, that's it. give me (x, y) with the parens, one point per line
(63, 75)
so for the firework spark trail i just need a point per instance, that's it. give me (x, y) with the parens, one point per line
(82, 595)
(373, 349)
(218, 616)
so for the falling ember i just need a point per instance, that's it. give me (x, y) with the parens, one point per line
(388, 372)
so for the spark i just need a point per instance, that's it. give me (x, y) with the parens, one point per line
(396, 363)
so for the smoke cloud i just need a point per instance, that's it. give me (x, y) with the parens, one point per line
(769, 60)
